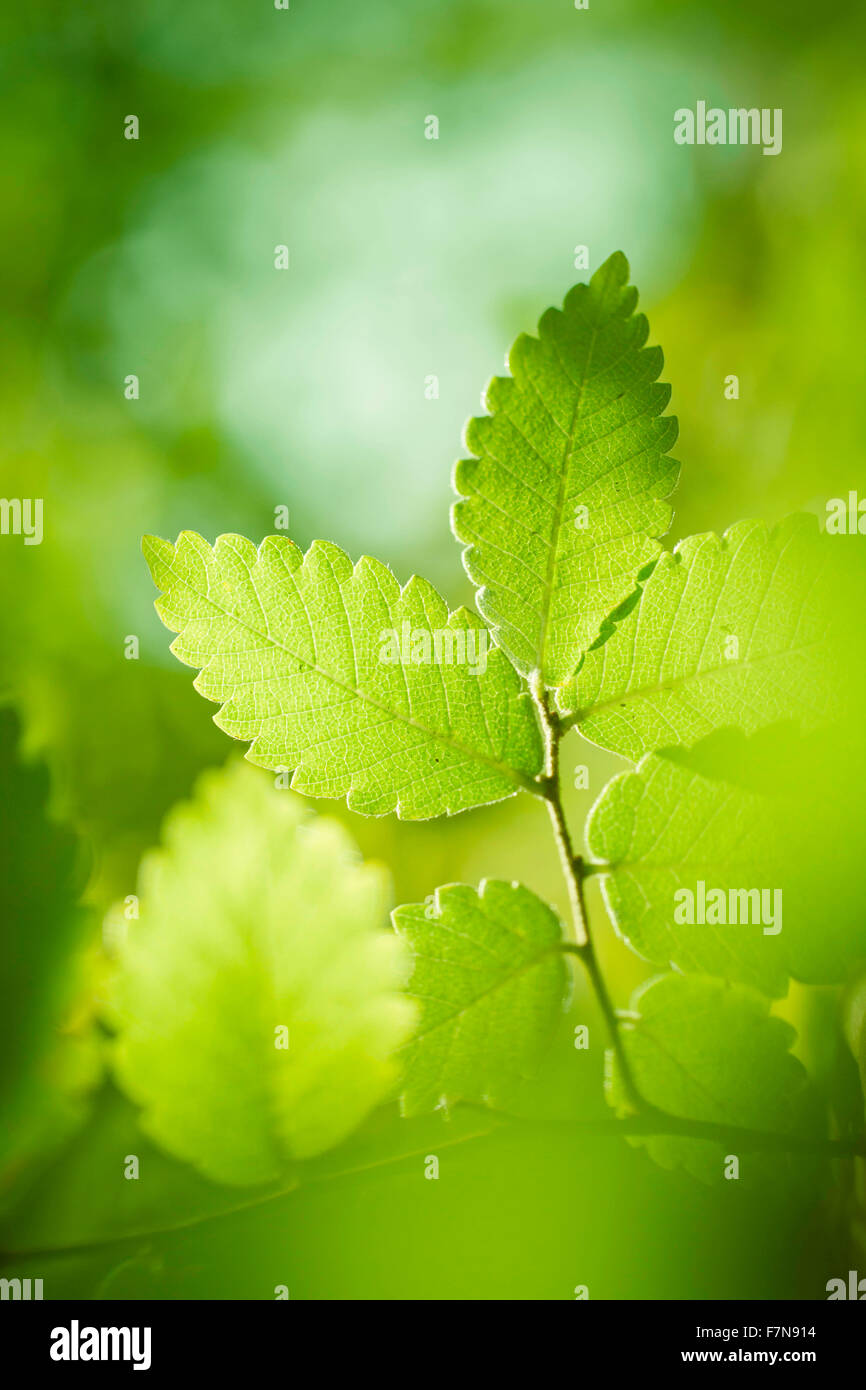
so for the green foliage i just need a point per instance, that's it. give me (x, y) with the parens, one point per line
(85, 1199)
(730, 631)
(733, 815)
(716, 667)
(705, 1050)
(489, 977)
(578, 424)
(255, 920)
(663, 828)
(49, 1054)
(82, 1202)
(673, 658)
(306, 388)
(291, 647)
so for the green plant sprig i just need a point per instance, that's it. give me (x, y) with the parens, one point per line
(691, 663)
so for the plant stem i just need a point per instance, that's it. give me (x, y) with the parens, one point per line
(569, 862)
(658, 1122)
(573, 870)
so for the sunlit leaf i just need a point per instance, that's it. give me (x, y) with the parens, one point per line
(333, 672)
(726, 631)
(489, 977)
(563, 502)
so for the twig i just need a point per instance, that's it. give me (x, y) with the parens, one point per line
(573, 870)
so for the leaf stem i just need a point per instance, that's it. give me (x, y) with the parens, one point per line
(573, 869)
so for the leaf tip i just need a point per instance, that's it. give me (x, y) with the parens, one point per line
(617, 267)
(157, 553)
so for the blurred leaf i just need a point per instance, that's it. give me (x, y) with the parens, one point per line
(297, 651)
(255, 920)
(576, 425)
(490, 979)
(701, 1049)
(854, 1015)
(123, 741)
(85, 1200)
(49, 1053)
(666, 673)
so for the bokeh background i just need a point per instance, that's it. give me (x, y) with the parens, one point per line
(305, 388)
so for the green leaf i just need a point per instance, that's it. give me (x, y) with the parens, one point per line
(704, 1050)
(664, 828)
(669, 671)
(736, 814)
(295, 648)
(49, 1049)
(490, 979)
(254, 919)
(577, 424)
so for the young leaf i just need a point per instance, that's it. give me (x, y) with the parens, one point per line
(704, 1050)
(357, 687)
(489, 977)
(254, 921)
(561, 508)
(726, 631)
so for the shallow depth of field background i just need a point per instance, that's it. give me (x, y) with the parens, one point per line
(305, 388)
